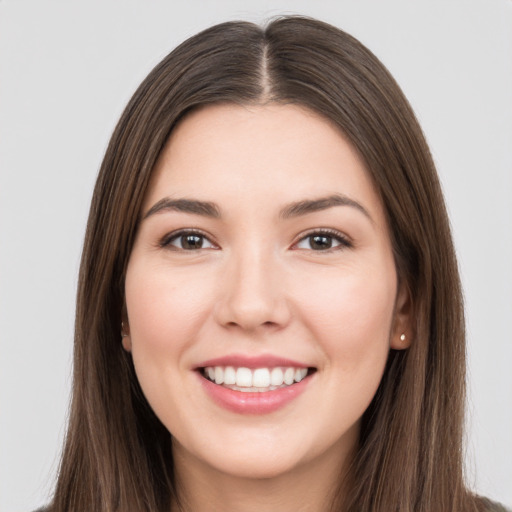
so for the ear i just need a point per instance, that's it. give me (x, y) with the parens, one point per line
(125, 331)
(402, 331)
(125, 337)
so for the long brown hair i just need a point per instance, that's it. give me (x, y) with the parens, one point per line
(117, 454)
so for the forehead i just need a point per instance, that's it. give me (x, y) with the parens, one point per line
(273, 153)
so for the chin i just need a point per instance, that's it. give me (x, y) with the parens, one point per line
(257, 467)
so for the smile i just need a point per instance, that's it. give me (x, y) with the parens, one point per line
(254, 385)
(249, 380)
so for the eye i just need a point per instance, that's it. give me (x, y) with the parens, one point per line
(323, 241)
(187, 241)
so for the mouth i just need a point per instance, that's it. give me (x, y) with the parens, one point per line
(254, 384)
(255, 380)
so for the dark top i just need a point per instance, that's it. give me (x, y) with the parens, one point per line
(492, 506)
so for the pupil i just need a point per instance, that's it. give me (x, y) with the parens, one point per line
(321, 242)
(191, 241)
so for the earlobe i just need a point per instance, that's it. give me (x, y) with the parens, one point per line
(401, 342)
(125, 337)
(401, 333)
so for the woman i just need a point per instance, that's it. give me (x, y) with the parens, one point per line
(269, 311)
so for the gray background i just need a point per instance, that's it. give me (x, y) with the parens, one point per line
(66, 71)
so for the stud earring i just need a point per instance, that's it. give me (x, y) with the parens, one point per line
(402, 337)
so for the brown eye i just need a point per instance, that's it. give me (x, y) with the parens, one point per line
(320, 242)
(323, 241)
(188, 241)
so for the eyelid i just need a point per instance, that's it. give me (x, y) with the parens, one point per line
(343, 239)
(165, 241)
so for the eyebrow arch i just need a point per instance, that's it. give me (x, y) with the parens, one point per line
(296, 209)
(323, 203)
(195, 206)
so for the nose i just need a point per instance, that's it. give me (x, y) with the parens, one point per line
(253, 293)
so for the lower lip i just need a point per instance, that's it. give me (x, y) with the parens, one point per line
(263, 402)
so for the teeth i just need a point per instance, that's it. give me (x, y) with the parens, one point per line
(276, 377)
(260, 379)
(219, 375)
(289, 374)
(243, 377)
(300, 373)
(229, 375)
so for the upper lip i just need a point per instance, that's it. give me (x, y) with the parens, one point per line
(261, 361)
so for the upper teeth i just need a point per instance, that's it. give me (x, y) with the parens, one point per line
(254, 379)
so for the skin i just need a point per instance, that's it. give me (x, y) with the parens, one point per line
(257, 286)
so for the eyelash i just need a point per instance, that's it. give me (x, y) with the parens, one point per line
(342, 240)
(171, 237)
(334, 235)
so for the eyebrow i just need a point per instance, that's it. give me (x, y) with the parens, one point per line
(204, 208)
(296, 209)
(323, 203)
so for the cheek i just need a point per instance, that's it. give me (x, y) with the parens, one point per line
(351, 323)
(165, 307)
(351, 316)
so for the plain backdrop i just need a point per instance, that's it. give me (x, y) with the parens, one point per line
(66, 71)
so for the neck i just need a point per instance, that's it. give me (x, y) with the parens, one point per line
(313, 486)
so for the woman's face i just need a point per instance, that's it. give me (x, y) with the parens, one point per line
(261, 291)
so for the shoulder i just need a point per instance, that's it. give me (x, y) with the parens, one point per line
(492, 506)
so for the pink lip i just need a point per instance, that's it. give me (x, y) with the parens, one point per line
(253, 403)
(262, 361)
